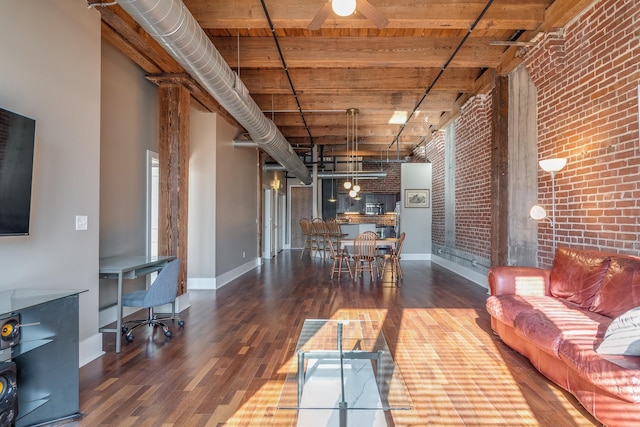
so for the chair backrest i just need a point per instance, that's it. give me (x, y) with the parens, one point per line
(305, 226)
(364, 245)
(318, 226)
(400, 244)
(164, 289)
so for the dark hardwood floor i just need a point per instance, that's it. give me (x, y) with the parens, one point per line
(226, 366)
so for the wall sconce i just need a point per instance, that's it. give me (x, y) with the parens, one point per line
(537, 212)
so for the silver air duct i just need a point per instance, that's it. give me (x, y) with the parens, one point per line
(171, 24)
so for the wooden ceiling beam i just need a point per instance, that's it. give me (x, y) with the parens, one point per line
(345, 52)
(311, 80)
(401, 14)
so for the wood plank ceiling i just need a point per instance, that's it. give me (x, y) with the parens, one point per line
(349, 63)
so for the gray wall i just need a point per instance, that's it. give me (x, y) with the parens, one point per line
(50, 55)
(129, 127)
(416, 222)
(202, 200)
(237, 206)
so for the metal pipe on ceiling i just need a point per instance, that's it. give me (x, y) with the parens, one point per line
(171, 24)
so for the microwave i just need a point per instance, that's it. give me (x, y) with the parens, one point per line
(374, 208)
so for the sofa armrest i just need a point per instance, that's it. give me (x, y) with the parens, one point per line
(514, 280)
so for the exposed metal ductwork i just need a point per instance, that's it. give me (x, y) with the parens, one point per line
(171, 24)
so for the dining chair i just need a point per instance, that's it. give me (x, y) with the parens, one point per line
(307, 233)
(320, 235)
(364, 254)
(393, 257)
(340, 258)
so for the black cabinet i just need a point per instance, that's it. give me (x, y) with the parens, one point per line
(47, 355)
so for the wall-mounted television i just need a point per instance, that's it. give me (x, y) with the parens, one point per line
(17, 138)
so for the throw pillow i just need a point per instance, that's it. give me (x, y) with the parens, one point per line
(577, 275)
(623, 335)
(620, 289)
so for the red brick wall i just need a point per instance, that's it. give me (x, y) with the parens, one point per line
(434, 151)
(388, 185)
(472, 180)
(473, 177)
(587, 81)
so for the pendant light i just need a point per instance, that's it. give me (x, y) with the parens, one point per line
(332, 199)
(352, 140)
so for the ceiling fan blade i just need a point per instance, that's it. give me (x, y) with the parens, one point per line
(320, 17)
(367, 9)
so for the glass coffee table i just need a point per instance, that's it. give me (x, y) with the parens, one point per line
(342, 370)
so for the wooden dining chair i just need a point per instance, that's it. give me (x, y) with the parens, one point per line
(340, 258)
(393, 258)
(364, 254)
(320, 235)
(307, 233)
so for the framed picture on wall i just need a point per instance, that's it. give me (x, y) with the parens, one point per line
(416, 198)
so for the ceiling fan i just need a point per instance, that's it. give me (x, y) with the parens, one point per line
(363, 6)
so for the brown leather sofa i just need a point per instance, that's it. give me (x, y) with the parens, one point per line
(558, 319)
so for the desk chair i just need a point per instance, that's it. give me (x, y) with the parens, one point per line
(163, 290)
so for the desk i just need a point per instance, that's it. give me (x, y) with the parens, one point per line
(128, 267)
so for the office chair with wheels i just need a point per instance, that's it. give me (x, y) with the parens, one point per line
(163, 290)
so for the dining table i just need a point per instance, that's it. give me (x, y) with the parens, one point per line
(387, 242)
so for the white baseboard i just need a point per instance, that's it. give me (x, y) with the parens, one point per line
(227, 277)
(90, 349)
(416, 257)
(467, 273)
(201, 283)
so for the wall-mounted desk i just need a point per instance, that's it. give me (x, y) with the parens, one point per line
(128, 267)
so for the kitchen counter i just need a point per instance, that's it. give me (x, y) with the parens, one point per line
(388, 219)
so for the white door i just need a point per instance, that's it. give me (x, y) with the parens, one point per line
(268, 224)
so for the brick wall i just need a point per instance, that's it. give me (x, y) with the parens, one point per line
(434, 152)
(587, 79)
(388, 185)
(473, 177)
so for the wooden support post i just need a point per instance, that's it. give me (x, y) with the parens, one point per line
(499, 173)
(174, 110)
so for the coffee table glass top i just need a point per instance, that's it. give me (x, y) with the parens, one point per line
(343, 364)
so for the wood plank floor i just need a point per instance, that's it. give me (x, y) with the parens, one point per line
(226, 367)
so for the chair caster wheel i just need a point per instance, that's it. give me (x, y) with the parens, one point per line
(125, 329)
(167, 334)
(181, 323)
(129, 338)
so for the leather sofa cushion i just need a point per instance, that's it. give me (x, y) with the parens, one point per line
(620, 288)
(505, 308)
(616, 374)
(577, 275)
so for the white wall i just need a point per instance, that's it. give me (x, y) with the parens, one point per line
(415, 222)
(50, 56)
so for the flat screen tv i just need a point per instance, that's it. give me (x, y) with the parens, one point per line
(17, 137)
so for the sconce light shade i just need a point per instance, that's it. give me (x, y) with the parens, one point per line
(537, 212)
(343, 7)
(553, 165)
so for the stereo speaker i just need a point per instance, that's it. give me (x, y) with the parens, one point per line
(9, 331)
(8, 394)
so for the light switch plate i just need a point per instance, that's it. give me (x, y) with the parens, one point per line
(81, 222)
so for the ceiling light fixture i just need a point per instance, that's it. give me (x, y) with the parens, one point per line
(343, 7)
